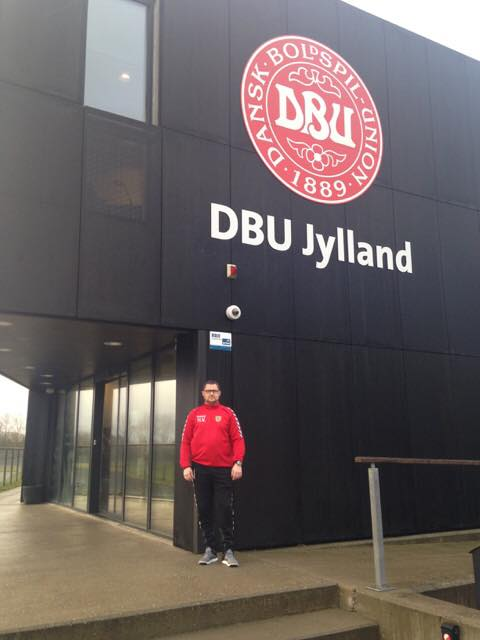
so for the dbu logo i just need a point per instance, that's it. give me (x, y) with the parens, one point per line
(311, 119)
(310, 116)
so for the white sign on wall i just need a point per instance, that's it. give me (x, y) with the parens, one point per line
(220, 341)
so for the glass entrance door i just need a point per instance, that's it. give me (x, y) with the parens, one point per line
(138, 444)
(113, 448)
(163, 454)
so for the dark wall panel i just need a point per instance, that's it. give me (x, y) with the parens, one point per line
(362, 44)
(264, 287)
(219, 367)
(451, 134)
(121, 223)
(251, 24)
(38, 440)
(313, 19)
(473, 79)
(373, 292)
(265, 400)
(421, 293)
(435, 499)
(410, 126)
(460, 235)
(380, 428)
(42, 45)
(195, 290)
(194, 62)
(329, 478)
(40, 173)
(465, 374)
(188, 374)
(321, 295)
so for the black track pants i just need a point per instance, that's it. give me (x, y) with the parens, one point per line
(214, 495)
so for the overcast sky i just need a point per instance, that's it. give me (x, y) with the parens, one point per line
(13, 398)
(454, 24)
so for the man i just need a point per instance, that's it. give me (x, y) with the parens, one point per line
(211, 455)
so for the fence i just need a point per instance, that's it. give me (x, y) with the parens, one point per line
(11, 465)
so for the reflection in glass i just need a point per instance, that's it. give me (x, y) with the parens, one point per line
(84, 448)
(115, 67)
(56, 474)
(113, 447)
(136, 484)
(164, 445)
(120, 447)
(126, 460)
(68, 447)
(107, 495)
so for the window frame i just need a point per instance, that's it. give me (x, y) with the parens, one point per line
(149, 68)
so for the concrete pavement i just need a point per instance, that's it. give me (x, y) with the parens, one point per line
(9, 497)
(59, 566)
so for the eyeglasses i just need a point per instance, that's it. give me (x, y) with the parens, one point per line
(211, 390)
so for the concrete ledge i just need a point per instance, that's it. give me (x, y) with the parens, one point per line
(147, 625)
(440, 536)
(403, 615)
(457, 535)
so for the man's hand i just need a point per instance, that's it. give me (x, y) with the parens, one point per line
(188, 474)
(236, 472)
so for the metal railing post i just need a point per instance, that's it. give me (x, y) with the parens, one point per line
(5, 462)
(376, 507)
(377, 529)
(11, 466)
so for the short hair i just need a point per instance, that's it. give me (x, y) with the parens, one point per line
(211, 382)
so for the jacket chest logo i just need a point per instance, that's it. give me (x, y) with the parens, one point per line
(201, 418)
(218, 418)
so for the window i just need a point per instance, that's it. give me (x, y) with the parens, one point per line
(83, 449)
(163, 454)
(116, 57)
(68, 452)
(138, 442)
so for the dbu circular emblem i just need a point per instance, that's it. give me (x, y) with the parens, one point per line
(311, 119)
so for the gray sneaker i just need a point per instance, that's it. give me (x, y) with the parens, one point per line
(208, 557)
(229, 559)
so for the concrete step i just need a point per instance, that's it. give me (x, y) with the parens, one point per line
(161, 623)
(331, 624)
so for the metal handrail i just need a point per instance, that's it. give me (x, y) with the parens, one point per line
(381, 460)
(376, 507)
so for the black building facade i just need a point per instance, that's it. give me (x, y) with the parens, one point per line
(111, 279)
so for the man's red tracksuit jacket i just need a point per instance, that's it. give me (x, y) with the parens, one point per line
(212, 436)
